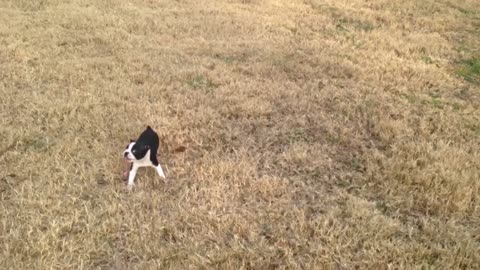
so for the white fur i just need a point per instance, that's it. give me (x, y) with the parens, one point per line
(160, 171)
(144, 162)
(130, 156)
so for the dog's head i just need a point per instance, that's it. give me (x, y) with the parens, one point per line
(135, 151)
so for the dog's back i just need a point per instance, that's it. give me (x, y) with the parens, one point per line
(149, 137)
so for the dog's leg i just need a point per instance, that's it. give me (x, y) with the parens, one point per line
(125, 174)
(160, 171)
(157, 166)
(131, 177)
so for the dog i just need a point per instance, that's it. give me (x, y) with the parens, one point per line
(142, 153)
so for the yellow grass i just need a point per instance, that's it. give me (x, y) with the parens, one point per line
(319, 134)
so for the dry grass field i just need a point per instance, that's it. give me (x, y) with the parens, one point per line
(318, 134)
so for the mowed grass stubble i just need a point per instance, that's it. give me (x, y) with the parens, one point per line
(295, 134)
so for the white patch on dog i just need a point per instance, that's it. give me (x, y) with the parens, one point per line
(144, 162)
(129, 156)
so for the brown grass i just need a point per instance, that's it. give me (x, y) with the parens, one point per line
(319, 134)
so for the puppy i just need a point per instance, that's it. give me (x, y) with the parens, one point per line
(142, 153)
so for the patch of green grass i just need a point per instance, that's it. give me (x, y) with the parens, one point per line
(357, 165)
(474, 128)
(410, 99)
(470, 70)
(464, 48)
(342, 183)
(344, 21)
(382, 206)
(231, 59)
(282, 60)
(437, 103)
(456, 106)
(226, 58)
(38, 143)
(285, 63)
(32, 5)
(434, 102)
(298, 135)
(201, 82)
(463, 10)
(341, 28)
(324, 8)
(361, 25)
(427, 59)
(364, 26)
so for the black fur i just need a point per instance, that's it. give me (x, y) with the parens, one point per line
(148, 140)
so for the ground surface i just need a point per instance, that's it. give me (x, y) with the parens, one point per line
(318, 134)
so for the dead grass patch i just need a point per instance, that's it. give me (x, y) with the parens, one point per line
(470, 70)
(295, 134)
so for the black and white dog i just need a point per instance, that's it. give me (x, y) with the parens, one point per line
(142, 153)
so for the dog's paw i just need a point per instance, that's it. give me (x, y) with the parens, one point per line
(160, 172)
(129, 187)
